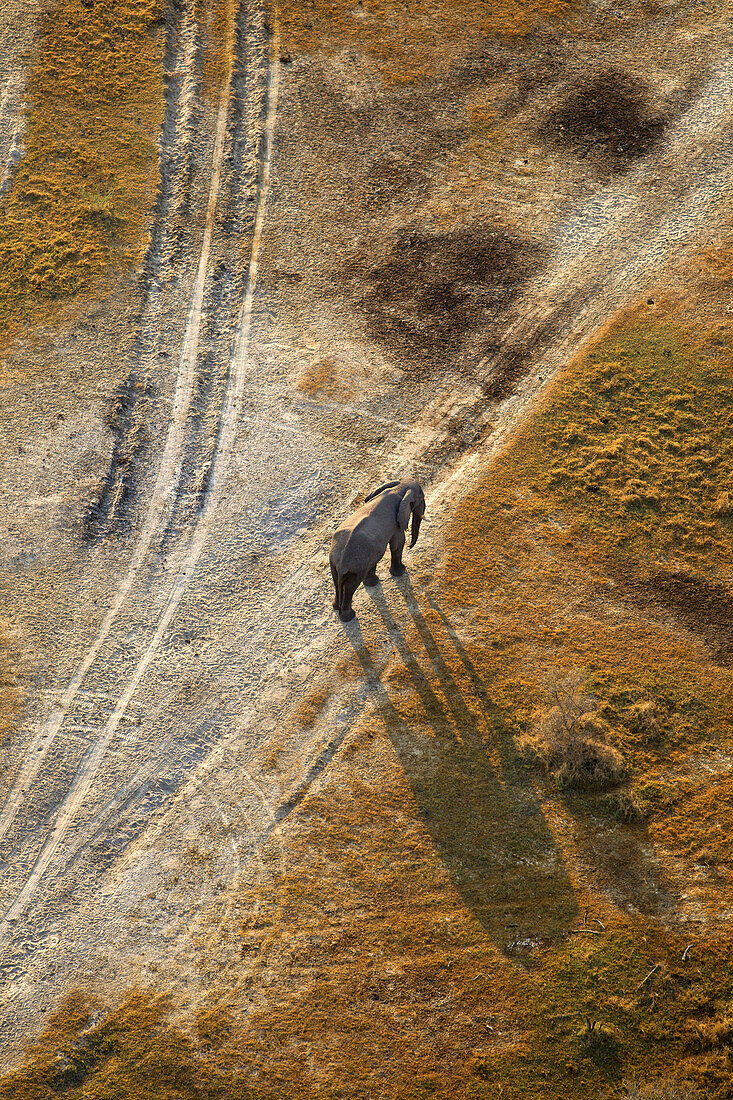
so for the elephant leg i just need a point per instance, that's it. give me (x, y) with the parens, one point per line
(371, 578)
(349, 584)
(335, 576)
(396, 545)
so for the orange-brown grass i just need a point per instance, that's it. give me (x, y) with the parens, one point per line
(424, 941)
(11, 695)
(131, 1051)
(568, 544)
(85, 185)
(579, 555)
(216, 18)
(310, 706)
(402, 38)
(323, 378)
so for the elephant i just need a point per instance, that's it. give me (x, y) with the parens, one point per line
(360, 542)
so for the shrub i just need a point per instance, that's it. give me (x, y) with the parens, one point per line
(571, 741)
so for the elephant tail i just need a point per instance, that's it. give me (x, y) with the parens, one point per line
(341, 598)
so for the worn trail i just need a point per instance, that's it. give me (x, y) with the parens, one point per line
(165, 482)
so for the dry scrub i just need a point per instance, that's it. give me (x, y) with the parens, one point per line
(401, 38)
(88, 1051)
(85, 184)
(571, 740)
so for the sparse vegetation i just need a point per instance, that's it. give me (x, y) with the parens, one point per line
(660, 1090)
(133, 1050)
(310, 706)
(10, 681)
(597, 542)
(400, 38)
(85, 183)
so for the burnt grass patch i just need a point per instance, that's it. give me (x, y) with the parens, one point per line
(433, 291)
(610, 115)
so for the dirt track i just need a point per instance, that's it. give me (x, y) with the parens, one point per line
(189, 591)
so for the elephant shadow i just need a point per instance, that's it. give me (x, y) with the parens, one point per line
(474, 795)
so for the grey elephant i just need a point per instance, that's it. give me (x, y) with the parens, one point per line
(361, 541)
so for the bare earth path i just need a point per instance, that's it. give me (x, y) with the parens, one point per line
(152, 731)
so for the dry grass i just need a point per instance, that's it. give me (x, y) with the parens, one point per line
(11, 694)
(401, 38)
(131, 1051)
(216, 17)
(84, 188)
(575, 759)
(327, 377)
(562, 554)
(660, 1090)
(310, 706)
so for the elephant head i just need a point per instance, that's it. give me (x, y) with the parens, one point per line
(412, 504)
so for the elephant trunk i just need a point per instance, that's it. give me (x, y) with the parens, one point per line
(416, 521)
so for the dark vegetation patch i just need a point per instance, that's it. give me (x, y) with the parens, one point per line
(704, 606)
(610, 114)
(433, 291)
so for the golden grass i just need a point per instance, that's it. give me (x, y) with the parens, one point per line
(83, 190)
(611, 488)
(216, 18)
(90, 1052)
(310, 706)
(561, 554)
(401, 38)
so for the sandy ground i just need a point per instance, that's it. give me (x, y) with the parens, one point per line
(174, 609)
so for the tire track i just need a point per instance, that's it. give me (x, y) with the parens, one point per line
(590, 288)
(182, 78)
(589, 279)
(40, 744)
(226, 435)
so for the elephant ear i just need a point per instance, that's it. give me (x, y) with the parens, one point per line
(405, 511)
